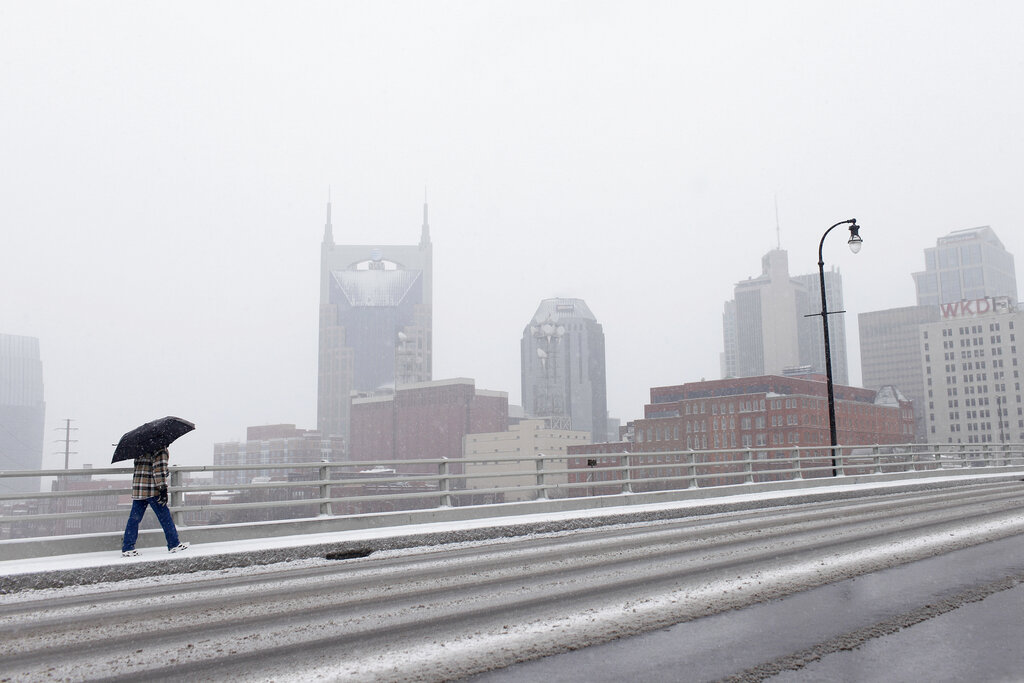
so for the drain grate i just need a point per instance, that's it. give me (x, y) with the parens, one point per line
(348, 554)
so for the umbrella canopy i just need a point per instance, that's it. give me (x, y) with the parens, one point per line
(151, 437)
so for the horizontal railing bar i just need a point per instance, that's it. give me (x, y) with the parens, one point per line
(65, 473)
(617, 472)
(67, 494)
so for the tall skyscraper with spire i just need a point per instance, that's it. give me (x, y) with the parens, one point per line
(768, 329)
(375, 321)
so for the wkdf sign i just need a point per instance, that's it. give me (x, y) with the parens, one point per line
(975, 307)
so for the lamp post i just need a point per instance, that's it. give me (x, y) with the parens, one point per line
(855, 244)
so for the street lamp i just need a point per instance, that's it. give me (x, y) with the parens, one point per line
(855, 243)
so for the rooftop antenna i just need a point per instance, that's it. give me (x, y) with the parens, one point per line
(778, 231)
(328, 228)
(425, 232)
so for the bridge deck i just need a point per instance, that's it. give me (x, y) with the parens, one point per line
(94, 567)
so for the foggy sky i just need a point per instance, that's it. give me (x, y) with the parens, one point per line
(164, 170)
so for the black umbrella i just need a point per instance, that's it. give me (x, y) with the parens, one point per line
(151, 437)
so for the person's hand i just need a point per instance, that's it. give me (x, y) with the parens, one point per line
(162, 498)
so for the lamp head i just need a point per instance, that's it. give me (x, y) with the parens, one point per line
(855, 241)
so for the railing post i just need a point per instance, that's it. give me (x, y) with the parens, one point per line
(692, 467)
(542, 493)
(176, 498)
(875, 453)
(748, 467)
(325, 491)
(443, 484)
(797, 464)
(963, 456)
(627, 473)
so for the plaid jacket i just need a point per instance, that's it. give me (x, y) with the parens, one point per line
(151, 473)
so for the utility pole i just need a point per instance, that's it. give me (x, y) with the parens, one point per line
(62, 481)
(68, 441)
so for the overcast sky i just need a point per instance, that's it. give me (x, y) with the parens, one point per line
(164, 170)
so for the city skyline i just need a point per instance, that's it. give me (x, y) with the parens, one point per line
(162, 211)
(425, 232)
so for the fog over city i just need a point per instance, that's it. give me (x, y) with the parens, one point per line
(165, 169)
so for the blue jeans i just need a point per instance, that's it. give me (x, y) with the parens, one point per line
(163, 513)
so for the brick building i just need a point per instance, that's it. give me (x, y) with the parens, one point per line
(424, 421)
(275, 444)
(769, 411)
(767, 414)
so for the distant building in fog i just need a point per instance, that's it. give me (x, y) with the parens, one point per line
(375, 321)
(275, 444)
(966, 265)
(563, 368)
(890, 354)
(22, 411)
(964, 268)
(771, 324)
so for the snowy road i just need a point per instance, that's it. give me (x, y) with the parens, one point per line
(446, 612)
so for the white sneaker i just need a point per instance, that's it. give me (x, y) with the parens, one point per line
(178, 548)
(129, 553)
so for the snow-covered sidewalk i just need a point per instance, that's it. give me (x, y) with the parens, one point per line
(94, 567)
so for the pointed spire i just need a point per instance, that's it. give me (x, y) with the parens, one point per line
(778, 230)
(328, 228)
(425, 234)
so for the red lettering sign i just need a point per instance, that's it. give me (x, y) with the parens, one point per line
(971, 308)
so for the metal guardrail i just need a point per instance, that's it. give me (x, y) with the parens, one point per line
(453, 481)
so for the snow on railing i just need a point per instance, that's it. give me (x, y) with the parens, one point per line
(97, 499)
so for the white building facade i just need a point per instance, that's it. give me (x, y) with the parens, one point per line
(972, 373)
(502, 457)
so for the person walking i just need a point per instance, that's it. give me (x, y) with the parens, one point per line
(149, 488)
